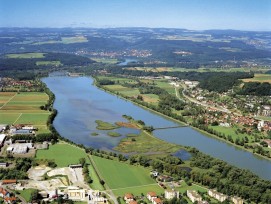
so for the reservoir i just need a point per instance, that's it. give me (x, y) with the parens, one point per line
(80, 103)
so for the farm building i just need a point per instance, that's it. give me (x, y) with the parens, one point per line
(19, 148)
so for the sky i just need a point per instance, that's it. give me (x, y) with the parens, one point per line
(252, 15)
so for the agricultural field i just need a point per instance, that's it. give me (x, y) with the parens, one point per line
(259, 78)
(125, 175)
(106, 60)
(62, 154)
(26, 55)
(65, 40)
(24, 108)
(26, 194)
(48, 63)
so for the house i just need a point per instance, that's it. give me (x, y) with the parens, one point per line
(193, 195)
(10, 199)
(128, 197)
(3, 127)
(154, 173)
(11, 181)
(96, 197)
(169, 194)
(157, 201)
(237, 200)
(151, 195)
(133, 202)
(219, 196)
(268, 141)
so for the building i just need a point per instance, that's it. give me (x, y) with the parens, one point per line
(151, 195)
(219, 196)
(11, 181)
(3, 164)
(96, 197)
(19, 148)
(133, 202)
(76, 194)
(128, 197)
(193, 195)
(157, 201)
(169, 194)
(2, 139)
(203, 202)
(237, 200)
(3, 127)
(268, 141)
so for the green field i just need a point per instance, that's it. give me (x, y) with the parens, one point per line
(137, 191)
(106, 60)
(145, 143)
(26, 194)
(65, 40)
(101, 125)
(121, 175)
(259, 78)
(26, 55)
(24, 108)
(48, 63)
(63, 154)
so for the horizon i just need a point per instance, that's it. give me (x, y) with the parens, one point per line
(240, 15)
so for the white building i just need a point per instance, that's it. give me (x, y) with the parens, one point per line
(169, 194)
(219, 196)
(193, 195)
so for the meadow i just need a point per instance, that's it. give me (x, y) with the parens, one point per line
(259, 78)
(125, 175)
(24, 108)
(26, 55)
(62, 154)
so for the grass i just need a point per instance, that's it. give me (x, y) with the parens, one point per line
(145, 143)
(121, 175)
(26, 55)
(231, 131)
(106, 60)
(137, 191)
(259, 78)
(101, 125)
(26, 193)
(48, 63)
(24, 108)
(62, 154)
(113, 134)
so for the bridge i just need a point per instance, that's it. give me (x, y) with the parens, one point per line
(170, 127)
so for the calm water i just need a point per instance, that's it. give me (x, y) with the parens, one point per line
(79, 104)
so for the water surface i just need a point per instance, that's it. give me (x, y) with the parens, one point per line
(80, 103)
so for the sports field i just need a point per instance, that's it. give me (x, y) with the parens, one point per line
(118, 175)
(63, 154)
(24, 108)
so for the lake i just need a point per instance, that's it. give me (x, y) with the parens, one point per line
(80, 103)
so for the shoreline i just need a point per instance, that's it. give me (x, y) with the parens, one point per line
(179, 122)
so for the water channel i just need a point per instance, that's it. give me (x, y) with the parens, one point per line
(80, 103)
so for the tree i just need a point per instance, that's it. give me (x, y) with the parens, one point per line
(34, 195)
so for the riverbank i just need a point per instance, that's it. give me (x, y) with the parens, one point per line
(177, 121)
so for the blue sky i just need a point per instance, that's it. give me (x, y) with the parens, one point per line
(190, 14)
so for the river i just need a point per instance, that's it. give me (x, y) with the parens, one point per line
(80, 103)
